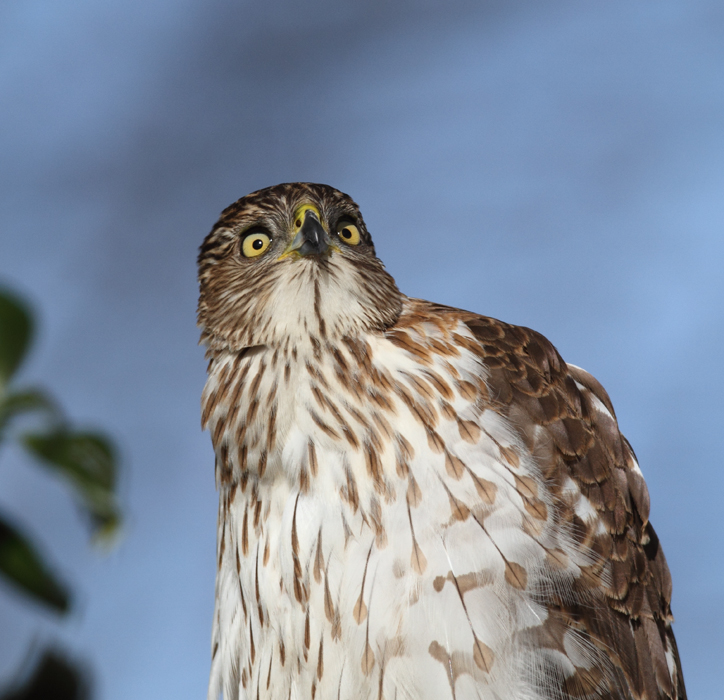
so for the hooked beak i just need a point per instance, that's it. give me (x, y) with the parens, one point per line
(311, 239)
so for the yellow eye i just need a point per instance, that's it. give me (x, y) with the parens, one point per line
(349, 233)
(255, 244)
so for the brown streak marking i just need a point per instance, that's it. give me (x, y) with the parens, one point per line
(401, 466)
(303, 479)
(251, 642)
(298, 588)
(261, 467)
(509, 455)
(421, 386)
(245, 532)
(482, 654)
(380, 400)
(444, 349)
(251, 413)
(257, 515)
(357, 415)
(536, 508)
(233, 414)
(341, 422)
(254, 387)
(448, 411)
(515, 575)
(323, 426)
(414, 494)
(328, 604)
(352, 495)
(486, 489)
(368, 657)
(271, 434)
(359, 611)
(344, 379)
(417, 558)
(374, 468)
(438, 382)
(469, 431)
(282, 652)
(471, 344)
(265, 559)
(406, 448)
(241, 456)
(339, 359)
(316, 348)
(307, 636)
(215, 399)
(439, 653)
(271, 396)
(318, 559)
(312, 458)
(268, 675)
(359, 351)
(382, 425)
(406, 343)
(454, 466)
(423, 412)
(316, 374)
(376, 516)
(460, 510)
(320, 659)
(318, 396)
(435, 442)
(465, 582)
(218, 431)
(467, 390)
(452, 371)
(259, 610)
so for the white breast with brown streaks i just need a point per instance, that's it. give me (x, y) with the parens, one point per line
(382, 532)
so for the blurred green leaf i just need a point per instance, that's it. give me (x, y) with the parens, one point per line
(29, 401)
(88, 462)
(16, 330)
(54, 678)
(21, 564)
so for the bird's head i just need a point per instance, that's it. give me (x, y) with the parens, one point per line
(291, 262)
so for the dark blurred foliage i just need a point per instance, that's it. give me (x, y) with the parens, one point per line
(86, 461)
(52, 677)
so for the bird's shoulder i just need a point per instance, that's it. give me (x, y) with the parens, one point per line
(566, 420)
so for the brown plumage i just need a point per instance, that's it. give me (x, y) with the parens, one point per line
(415, 501)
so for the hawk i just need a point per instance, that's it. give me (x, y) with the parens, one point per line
(416, 502)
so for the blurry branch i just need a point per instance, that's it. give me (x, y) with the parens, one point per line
(86, 461)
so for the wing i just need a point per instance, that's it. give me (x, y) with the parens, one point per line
(566, 419)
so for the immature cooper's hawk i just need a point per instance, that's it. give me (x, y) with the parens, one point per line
(416, 502)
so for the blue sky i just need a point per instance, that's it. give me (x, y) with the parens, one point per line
(555, 164)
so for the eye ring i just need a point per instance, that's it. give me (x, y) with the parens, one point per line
(349, 232)
(255, 243)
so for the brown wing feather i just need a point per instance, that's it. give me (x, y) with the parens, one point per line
(626, 615)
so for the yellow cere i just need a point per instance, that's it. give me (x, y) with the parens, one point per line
(255, 244)
(349, 233)
(301, 213)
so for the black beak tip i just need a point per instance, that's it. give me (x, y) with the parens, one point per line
(314, 236)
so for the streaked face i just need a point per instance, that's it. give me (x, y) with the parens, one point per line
(290, 262)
